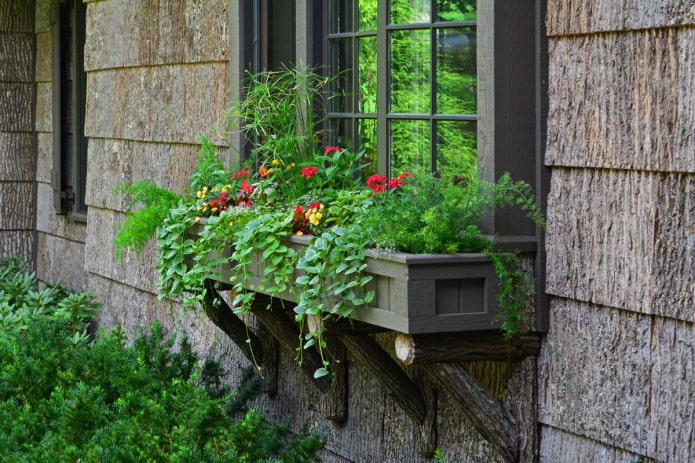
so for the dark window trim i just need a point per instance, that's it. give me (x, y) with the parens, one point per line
(68, 177)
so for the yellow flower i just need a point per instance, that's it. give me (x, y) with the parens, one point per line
(275, 162)
(200, 208)
(291, 165)
(214, 209)
(299, 233)
(197, 219)
(199, 194)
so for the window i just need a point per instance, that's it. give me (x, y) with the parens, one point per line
(449, 86)
(407, 83)
(69, 98)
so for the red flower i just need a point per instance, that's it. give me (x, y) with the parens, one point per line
(299, 210)
(246, 187)
(214, 203)
(309, 171)
(315, 205)
(377, 183)
(332, 149)
(263, 172)
(243, 173)
(395, 182)
(405, 175)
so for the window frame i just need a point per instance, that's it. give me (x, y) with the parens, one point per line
(68, 177)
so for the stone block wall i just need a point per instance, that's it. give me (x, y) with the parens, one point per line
(617, 373)
(16, 127)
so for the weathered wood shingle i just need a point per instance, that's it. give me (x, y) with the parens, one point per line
(623, 239)
(161, 103)
(621, 378)
(568, 17)
(156, 32)
(623, 101)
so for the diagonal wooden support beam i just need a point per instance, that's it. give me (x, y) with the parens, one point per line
(486, 414)
(391, 376)
(285, 330)
(224, 317)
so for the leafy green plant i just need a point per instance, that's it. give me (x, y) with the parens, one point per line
(246, 217)
(22, 303)
(108, 401)
(141, 224)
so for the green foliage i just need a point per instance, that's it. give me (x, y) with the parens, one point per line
(514, 293)
(210, 170)
(23, 304)
(145, 402)
(276, 113)
(141, 224)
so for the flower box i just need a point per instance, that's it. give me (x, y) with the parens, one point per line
(414, 293)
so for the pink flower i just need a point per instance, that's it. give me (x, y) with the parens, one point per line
(332, 149)
(309, 171)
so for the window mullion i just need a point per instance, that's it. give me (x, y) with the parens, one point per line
(383, 84)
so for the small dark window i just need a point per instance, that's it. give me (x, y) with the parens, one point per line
(69, 100)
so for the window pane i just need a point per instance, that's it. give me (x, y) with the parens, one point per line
(410, 146)
(410, 11)
(342, 133)
(456, 10)
(343, 14)
(456, 71)
(342, 85)
(367, 74)
(410, 71)
(367, 14)
(457, 150)
(367, 133)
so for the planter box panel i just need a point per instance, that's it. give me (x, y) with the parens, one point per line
(414, 293)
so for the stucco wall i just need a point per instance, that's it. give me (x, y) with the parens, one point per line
(617, 373)
(16, 127)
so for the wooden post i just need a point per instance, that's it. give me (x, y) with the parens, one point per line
(391, 376)
(486, 414)
(464, 347)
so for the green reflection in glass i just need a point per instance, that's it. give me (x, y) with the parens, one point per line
(367, 15)
(457, 151)
(367, 134)
(367, 75)
(342, 69)
(343, 15)
(410, 146)
(410, 11)
(456, 10)
(410, 71)
(456, 71)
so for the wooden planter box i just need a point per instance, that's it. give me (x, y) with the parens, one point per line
(415, 293)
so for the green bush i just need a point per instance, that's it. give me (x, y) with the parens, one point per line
(106, 401)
